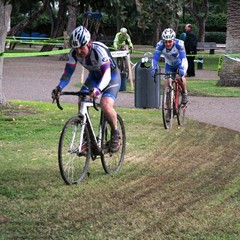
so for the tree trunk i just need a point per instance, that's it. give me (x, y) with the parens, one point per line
(230, 73)
(60, 26)
(5, 13)
(72, 8)
(20, 26)
(193, 9)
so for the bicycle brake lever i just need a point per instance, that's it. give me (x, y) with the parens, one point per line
(58, 104)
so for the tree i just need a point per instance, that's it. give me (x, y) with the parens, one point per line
(160, 14)
(199, 11)
(5, 13)
(33, 16)
(230, 73)
(72, 7)
(59, 24)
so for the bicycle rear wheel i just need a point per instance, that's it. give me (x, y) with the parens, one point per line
(167, 108)
(73, 160)
(112, 162)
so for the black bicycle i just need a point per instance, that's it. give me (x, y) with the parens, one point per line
(79, 143)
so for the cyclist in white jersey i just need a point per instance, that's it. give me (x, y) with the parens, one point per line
(174, 53)
(103, 79)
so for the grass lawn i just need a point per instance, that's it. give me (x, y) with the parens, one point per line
(178, 184)
(182, 183)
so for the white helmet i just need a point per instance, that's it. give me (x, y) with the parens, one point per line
(168, 34)
(123, 30)
(79, 37)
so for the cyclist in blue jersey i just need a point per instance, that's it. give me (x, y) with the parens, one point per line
(103, 78)
(174, 53)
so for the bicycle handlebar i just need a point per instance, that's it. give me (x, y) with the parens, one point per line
(82, 94)
(169, 74)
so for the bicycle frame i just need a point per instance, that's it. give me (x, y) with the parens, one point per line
(171, 105)
(78, 140)
(174, 86)
(86, 122)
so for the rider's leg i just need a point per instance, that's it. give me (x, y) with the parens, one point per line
(182, 82)
(109, 112)
(111, 115)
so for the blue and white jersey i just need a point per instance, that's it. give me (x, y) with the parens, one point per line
(175, 58)
(99, 63)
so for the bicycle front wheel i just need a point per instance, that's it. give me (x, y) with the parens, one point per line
(167, 108)
(74, 159)
(112, 162)
(181, 111)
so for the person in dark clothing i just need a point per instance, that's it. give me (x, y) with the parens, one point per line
(191, 49)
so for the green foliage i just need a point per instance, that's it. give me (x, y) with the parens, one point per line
(218, 37)
(216, 22)
(15, 19)
(42, 24)
(142, 25)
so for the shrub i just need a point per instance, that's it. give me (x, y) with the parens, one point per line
(218, 37)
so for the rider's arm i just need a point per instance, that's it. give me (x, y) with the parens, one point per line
(106, 75)
(115, 41)
(68, 71)
(129, 41)
(156, 55)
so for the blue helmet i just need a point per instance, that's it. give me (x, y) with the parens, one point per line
(79, 37)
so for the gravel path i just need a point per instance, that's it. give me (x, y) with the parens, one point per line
(33, 78)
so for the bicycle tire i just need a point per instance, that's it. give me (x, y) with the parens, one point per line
(73, 164)
(182, 114)
(120, 64)
(123, 66)
(112, 162)
(167, 108)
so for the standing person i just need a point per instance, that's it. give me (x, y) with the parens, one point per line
(182, 36)
(174, 53)
(191, 49)
(122, 39)
(103, 78)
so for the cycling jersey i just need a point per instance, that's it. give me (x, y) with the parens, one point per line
(175, 58)
(120, 40)
(103, 71)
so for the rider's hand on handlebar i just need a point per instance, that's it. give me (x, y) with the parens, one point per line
(56, 93)
(95, 93)
(153, 72)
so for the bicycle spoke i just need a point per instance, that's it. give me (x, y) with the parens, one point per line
(73, 160)
(112, 162)
(167, 108)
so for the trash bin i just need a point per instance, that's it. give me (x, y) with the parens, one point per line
(123, 81)
(200, 63)
(147, 92)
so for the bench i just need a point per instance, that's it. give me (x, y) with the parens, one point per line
(211, 46)
(108, 40)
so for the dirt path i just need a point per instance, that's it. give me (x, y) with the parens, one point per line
(33, 78)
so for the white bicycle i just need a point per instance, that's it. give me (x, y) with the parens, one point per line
(79, 143)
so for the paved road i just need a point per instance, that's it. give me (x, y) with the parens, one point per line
(33, 78)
